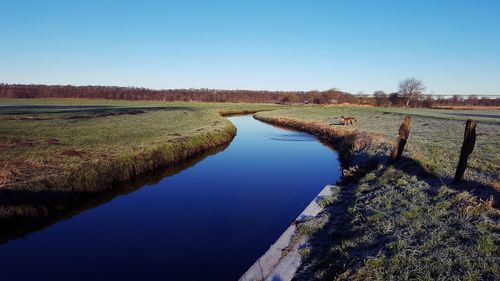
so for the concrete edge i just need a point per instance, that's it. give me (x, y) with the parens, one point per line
(283, 258)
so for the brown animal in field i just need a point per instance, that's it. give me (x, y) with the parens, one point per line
(347, 120)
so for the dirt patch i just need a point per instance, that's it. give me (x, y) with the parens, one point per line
(54, 142)
(17, 174)
(72, 152)
(6, 142)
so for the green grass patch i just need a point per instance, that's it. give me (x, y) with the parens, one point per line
(85, 145)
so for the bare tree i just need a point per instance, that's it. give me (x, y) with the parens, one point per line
(410, 88)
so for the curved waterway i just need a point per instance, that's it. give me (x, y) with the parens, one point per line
(206, 219)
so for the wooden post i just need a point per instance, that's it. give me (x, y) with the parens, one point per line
(404, 133)
(467, 148)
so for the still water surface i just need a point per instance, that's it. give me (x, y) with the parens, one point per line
(210, 221)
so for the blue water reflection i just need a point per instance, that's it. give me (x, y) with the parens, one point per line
(208, 222)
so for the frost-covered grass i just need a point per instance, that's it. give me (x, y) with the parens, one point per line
(405, 221)
(435, 137)
(393, 225)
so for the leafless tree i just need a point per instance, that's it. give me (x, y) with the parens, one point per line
(410, 88)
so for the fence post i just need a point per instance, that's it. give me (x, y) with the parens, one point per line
(404, 132)
(467, 148)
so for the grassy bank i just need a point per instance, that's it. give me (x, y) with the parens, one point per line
(435, 138)
(68, 145)
(407, 220)
(47, 208)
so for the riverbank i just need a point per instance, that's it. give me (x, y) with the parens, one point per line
(406, 220)
(209, 206)
(57, 147)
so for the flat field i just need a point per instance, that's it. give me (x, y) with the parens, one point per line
(74, 144)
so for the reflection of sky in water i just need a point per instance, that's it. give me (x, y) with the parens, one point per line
(287, 136)
(290, 137)
(208, 222)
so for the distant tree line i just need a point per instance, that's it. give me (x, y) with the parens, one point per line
(202, 95)
(395, 99)
(410, 94)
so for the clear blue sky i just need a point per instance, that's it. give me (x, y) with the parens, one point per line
(453, 46)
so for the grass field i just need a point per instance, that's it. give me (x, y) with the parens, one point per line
(401, 221)
(393, 225)
(435, 138)
(406, 221)
(85, 145)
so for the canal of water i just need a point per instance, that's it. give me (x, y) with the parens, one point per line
(209, 219)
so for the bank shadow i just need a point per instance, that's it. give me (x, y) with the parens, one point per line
(494, 116)
(415, 168)
(25, 211)
(90, 110)
(338, 227)
(481, 190)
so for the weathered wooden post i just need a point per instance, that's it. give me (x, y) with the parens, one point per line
(467, 148)
(404, 133)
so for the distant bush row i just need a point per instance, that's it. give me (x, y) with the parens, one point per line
(205, 95)
(332, 96)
